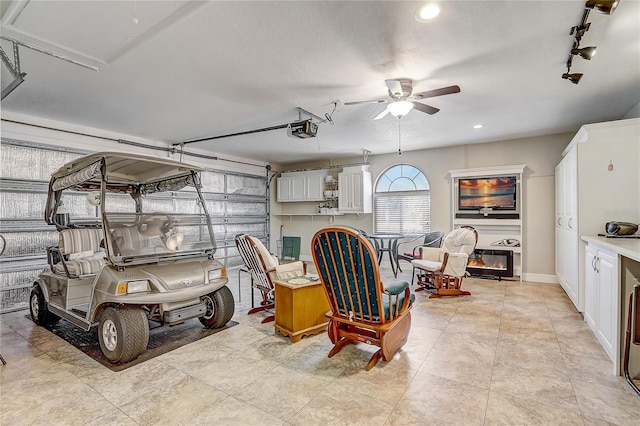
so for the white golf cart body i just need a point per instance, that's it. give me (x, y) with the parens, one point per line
(127, 267)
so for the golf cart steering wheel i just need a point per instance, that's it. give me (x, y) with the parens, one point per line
(154, 224)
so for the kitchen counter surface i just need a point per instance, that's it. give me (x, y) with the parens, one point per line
(627, 247)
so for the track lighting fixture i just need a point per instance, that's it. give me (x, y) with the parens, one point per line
(585, 52)
(574, 78)
(606, 7)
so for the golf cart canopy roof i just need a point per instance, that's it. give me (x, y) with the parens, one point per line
(123, 173)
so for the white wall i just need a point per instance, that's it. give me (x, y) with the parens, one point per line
(634, 112)
(539, 154)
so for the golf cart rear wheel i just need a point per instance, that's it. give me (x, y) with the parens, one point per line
(220, 308)
(123, 333)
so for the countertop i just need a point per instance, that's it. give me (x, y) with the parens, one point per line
(627, 247)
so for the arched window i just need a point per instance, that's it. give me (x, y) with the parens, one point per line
(402, 201)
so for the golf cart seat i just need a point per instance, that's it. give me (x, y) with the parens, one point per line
(78, 252)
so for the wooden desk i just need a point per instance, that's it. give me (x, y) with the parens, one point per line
(300, 309)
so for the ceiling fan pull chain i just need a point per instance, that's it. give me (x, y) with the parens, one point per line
(399, 137)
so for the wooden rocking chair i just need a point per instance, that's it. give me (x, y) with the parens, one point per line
(444, 268)
(362, 309)
(264, 268)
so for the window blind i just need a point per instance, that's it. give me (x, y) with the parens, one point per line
(402, 212)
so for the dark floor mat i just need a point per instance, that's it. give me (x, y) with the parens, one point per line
(161, 340)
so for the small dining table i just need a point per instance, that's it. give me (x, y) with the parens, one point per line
(387, 243)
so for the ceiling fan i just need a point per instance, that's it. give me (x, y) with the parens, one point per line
(402, 100)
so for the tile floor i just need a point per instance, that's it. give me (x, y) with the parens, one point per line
(511, 353)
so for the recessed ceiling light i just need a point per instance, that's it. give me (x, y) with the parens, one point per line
(478, 126)
(427, 12)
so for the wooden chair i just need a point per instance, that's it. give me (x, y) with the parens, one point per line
(264, 269)
(444, 268)
(362, 309)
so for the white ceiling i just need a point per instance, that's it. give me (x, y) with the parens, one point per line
(189, 70)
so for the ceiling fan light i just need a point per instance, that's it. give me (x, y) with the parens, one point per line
(427, 12)
(400, 108)
(585, 52)
(574, 78)
(606, 7)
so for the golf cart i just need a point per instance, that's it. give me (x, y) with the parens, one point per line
(128, 258)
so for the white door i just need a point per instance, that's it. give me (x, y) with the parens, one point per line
(345, 199)
(607, 309)
(315, 187)
(297, 188)
(591, 289)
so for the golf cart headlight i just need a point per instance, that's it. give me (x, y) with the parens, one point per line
(216, 274)
(133, 286)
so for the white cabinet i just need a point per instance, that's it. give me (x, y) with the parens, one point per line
(314, 187)
(590, 193)
(300, 187)
(355, 191)
(567, 238)
(291, 188)
(601, 298)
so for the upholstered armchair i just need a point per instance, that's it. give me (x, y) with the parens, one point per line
(444, 268)
(265, 268)
(430, 239)
(363, 309)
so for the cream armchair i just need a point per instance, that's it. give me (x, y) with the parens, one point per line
(444, 268)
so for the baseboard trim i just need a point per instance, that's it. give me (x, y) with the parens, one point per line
(540, 278)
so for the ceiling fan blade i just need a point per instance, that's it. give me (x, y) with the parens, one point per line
(425, 108)
(377, 101)
(395, 87)
(437, 92)
(382, 114)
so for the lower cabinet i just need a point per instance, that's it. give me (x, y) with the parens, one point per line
(601, 297)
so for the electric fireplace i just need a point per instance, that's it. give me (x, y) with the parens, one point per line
(491, 263)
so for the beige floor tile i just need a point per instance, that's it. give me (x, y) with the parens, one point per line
(485, 325)
(529, 356)
(160, 406)
(44, 395)
(460, 366)
(432, 400)
(530, 324)
(231, 374)
(592, 370)
(582, 343)
(508, 410)
(233, 412)
(386, 381)
(346, 408)
(121, 388)
(114, 418)
(564, 314)
(468, 344)
(550, 387)
(486, 308)
(612, 404)
(568, 327)
(541, 339)
(282, 392)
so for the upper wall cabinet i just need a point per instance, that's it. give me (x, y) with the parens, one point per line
(354, 186)
(302, 186)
